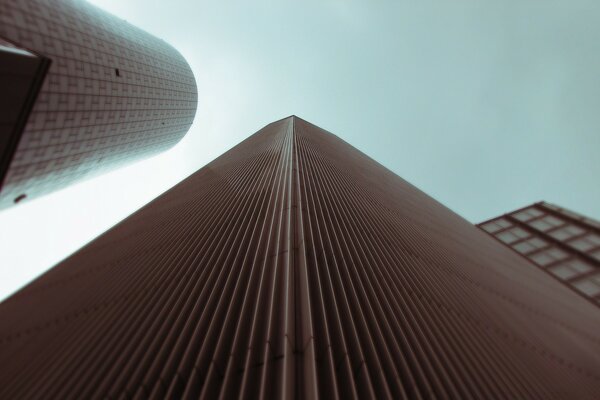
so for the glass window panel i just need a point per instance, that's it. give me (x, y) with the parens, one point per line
(522, 216)
(507, 237)
(523, 247)
(581, 244)
(540, 224)
(557, 253)
(534, 212)
(588, 287)
(565, 233)
(496, 225)
(579, 265)
(560, 234)
(491, 227)
(575, 230)
(594, 239)
(527, 214)
(563, 271)
(503, 223)
(520, 233)
(548, 256)
(553, 220)
(537, 243)
(542, 258)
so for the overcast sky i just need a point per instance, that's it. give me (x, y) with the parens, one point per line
(485, 105)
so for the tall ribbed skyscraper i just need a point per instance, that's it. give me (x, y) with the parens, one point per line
(294, 266)
(82, 92)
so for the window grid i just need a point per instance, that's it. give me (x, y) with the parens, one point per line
(565, 244)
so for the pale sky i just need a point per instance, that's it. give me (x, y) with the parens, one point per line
(485, 105)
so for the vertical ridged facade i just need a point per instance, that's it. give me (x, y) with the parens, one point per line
(112, 94)
(294, 266)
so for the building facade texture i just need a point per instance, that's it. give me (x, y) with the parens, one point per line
(112, 94)
(294, 266)
(561, 242)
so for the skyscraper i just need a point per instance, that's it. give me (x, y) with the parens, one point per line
(561, 242)
(296, 266)
(82, 92)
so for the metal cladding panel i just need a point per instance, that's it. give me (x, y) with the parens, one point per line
(296, 266)
(113, 94)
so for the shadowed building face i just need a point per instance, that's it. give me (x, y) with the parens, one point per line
(87, 92)
(296, 266)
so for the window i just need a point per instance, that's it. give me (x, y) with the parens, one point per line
(538, 243)
(571, 268)
(507, 237)
(579, 265)
(496, 225)
(595, 239)
(541, 225)
(542, 258)
(546, 223)
(524, 247)
(590, 286)
(530, 245)
(566, 232)
(557, 253)
(563, 272)
(527, 214)
(554, 221)
(585, 243)
(512, 235)
(549, 256)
